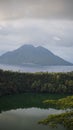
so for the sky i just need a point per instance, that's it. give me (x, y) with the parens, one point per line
(47, 23)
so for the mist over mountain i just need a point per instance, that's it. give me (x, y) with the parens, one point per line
(30, 55)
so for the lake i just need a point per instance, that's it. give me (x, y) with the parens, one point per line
(37, 68)
(25, 119)
(22, 112)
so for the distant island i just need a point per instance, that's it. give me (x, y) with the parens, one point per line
(30, 55)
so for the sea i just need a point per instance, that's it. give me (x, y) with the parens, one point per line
(33, 69)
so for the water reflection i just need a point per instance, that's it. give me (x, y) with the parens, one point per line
(23, 111)
(26, 119)
(26, 100)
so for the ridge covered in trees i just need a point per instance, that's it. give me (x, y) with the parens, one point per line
(16, 82)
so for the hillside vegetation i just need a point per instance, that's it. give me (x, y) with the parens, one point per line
(15, 82)
(65, 119)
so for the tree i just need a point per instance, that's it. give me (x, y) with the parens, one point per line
(66, 118)
(36, 85)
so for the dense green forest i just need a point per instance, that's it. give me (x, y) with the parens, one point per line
(16, 82)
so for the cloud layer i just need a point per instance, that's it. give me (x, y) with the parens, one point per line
(57, 35)
(39, 22)
(46, 9)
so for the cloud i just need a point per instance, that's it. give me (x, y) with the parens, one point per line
(44, 9)
(57, 35)
(56, 38)
(41, 22)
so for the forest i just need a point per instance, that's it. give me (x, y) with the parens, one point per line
(40, 82)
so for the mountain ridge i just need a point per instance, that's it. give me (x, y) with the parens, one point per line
(28, 54)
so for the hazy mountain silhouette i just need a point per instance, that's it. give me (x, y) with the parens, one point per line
(30, 55)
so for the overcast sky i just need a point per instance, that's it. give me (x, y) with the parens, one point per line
(48, 23)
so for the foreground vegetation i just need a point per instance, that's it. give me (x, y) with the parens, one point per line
(15, 82)
(65, 119)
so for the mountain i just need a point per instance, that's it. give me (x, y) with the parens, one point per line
(30, 55)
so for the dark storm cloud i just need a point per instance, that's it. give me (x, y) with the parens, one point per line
(53, 9)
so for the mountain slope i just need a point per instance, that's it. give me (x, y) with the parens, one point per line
(28, 54)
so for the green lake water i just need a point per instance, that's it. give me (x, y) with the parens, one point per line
(22, 112)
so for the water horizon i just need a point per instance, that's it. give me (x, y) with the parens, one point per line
(33, 69)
